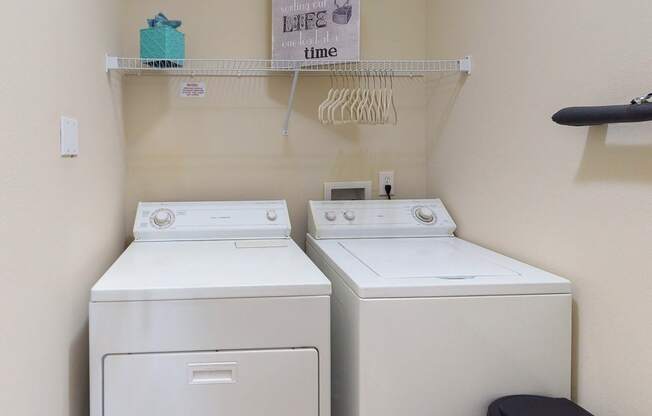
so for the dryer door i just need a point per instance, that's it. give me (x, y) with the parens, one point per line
(239, 383)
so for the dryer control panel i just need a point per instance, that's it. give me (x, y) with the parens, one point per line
(376, 219)
(174, 221)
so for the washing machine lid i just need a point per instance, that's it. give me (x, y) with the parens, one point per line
(415, 258)
(208, 250)
(436, 266)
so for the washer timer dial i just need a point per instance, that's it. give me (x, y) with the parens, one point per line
(425, 215)
(162, 218)
(272, 215)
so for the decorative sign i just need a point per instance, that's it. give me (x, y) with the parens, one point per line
(193, 90)
(315, 30)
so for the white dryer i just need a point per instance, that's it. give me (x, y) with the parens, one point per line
(213, 310)
(424, 323)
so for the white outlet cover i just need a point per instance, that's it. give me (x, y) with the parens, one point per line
(69, 137)
(382, 178)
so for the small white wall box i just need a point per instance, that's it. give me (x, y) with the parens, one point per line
(347, 191)
(69, 137)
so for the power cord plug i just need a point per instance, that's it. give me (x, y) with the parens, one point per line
(388, 191)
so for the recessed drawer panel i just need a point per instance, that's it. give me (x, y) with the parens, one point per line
(239, 383)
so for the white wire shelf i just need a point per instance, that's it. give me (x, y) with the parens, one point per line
(267, 67)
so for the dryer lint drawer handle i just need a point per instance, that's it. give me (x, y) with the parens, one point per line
(212, 373)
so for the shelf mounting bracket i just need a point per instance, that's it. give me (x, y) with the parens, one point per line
(293, 91)
(111, 62)
(466, 65)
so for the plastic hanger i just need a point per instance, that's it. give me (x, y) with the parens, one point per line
(346, 107)
(356, 101)
(336, 97)
(323, 105)
(362, 108)
(378, 113)
(385, 98)
(391, 96)
(342, 99)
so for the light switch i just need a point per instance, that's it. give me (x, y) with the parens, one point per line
(69, 137)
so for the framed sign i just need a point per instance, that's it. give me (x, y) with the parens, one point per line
(316, 30)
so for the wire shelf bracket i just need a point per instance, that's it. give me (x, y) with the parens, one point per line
(268, 67)
(293, 91)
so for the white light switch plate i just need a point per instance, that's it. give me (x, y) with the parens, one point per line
(69, 137)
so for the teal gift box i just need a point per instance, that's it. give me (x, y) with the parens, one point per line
(162, 46)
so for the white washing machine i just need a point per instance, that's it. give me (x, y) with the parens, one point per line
(427, 324)
(213, 310)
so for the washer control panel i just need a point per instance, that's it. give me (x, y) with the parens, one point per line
(375, 219)
(171, 221)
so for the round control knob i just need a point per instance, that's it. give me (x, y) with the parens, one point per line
(349, 215)
(424, 214)
(162, 218)
(272, 215)
(331, 216)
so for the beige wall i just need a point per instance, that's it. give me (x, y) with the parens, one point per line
(229, 146)
(575, 201)
(61, 220)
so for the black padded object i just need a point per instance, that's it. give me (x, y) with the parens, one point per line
(535, 406)
(594, 116)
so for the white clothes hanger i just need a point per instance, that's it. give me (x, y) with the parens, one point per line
(370, 101)
(322, 106)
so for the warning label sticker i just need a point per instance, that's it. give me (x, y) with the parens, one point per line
(193, 90)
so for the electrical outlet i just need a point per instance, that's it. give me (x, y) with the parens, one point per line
(386, 178)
